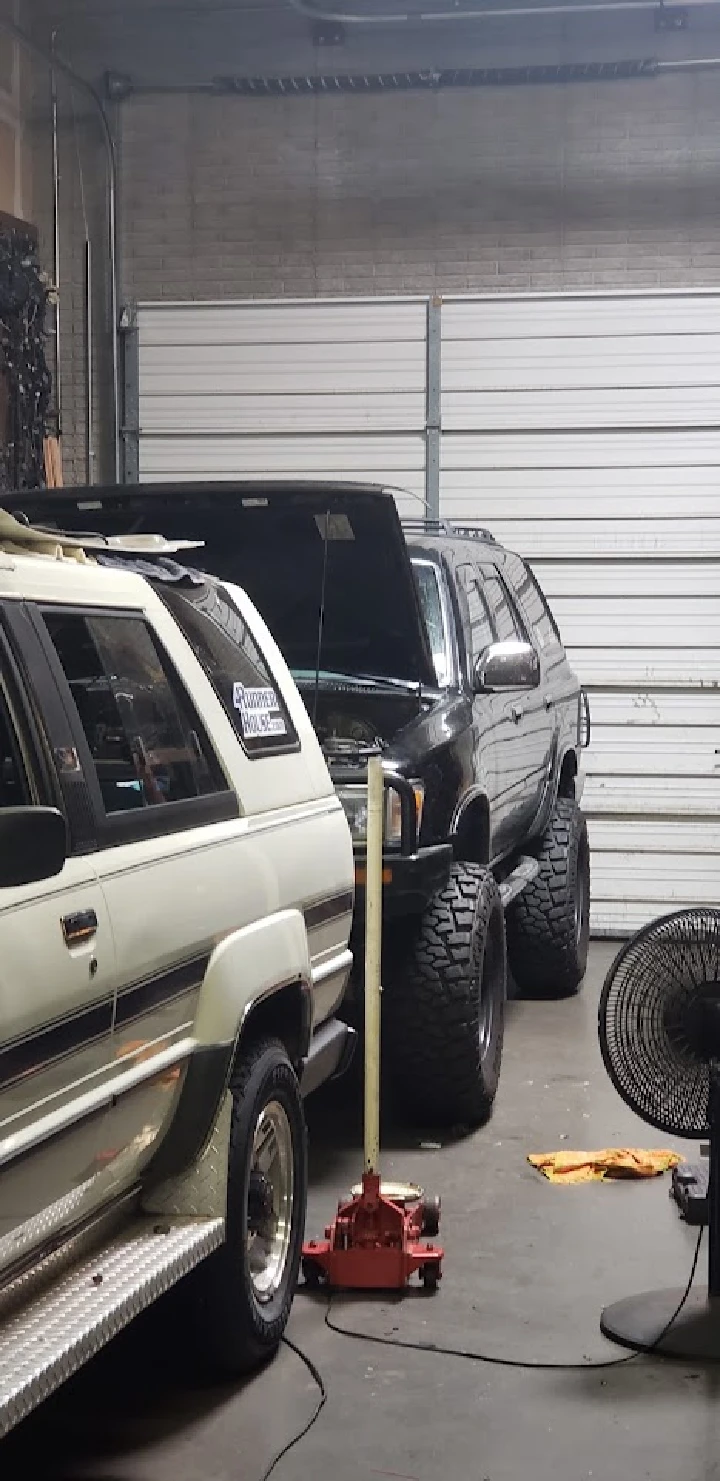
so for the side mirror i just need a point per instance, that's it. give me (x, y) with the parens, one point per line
(509, 665)
(33, 844)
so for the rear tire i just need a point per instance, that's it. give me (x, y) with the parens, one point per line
(445, 1004)
(244, 1292)
(549, 925)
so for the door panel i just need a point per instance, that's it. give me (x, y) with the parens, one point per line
(488, 719)
(55, 1023)
(529, 728)
(553, 694)
(149, 758)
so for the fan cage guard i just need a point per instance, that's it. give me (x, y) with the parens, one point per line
(650, 1011)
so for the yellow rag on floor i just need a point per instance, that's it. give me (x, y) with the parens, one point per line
(610, 1162)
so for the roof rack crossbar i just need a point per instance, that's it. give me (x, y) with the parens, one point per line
(447, 527)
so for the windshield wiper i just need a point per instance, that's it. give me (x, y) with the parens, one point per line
(363, 681)
(411, 686)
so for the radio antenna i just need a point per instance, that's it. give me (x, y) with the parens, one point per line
(321, 615)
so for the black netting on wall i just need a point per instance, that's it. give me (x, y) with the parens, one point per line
(25, 382)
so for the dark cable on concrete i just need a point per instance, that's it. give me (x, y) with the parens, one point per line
(317, 1377)
(501, 1362)
(458, 1352)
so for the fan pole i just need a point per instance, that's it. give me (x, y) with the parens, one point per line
(714, 1183)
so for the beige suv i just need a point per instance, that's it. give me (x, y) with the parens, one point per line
(176, 893)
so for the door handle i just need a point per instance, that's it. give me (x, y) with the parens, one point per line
(79, 927)
(517, 713)
(549, 701)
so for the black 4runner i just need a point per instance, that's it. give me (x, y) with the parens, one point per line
(437, 645)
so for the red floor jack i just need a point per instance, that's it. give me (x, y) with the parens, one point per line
(379, 1237)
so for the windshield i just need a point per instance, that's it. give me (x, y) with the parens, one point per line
(428, 584)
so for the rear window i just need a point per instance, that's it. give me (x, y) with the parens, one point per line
(239, 673)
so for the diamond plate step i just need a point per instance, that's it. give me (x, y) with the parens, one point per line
(52, 1335)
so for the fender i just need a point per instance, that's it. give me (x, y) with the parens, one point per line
(248, 967)
(550, 797)
(475, 796)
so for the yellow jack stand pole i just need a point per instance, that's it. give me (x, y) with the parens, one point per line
(373, 961)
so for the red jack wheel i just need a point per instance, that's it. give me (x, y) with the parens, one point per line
(312, 1274)
(431, 1217)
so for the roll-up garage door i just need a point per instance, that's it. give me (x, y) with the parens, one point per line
(584, 430)
(274, 390)
(586, 433)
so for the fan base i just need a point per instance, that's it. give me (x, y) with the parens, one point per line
(638, 1321)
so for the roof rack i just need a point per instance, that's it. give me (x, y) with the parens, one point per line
(41, 539)
(446, 527)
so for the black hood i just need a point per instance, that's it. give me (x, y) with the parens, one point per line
(270, 538)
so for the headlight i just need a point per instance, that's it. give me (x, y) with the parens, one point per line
(393, 812)
(354, 801)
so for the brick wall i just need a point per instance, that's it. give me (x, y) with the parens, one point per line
(546, 188)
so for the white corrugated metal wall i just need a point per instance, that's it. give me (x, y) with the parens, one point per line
(581, 429)
(280, 389)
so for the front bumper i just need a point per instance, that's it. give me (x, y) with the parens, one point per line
(411, 873)
(409, 880)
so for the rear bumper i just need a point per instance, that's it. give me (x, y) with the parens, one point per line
(331, 1051)
(409, 880)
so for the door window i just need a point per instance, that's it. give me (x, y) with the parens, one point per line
(14, 788)
(146, 743)
(481, 628)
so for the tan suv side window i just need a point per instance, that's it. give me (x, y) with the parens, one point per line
(14, 787)
(146, 743)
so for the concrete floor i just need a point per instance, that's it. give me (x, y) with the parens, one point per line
(528, 1268)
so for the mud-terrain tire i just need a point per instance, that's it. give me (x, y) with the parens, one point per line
(444, 1006)
(549, 925)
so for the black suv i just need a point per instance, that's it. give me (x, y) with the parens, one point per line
(435, 644)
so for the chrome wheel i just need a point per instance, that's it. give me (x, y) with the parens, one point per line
(270, 1201)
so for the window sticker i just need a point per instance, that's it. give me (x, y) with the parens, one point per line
(334, 527)
(260, 712)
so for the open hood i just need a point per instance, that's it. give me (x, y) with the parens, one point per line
(282, 542)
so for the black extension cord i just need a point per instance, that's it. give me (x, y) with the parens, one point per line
(460, 1352)
(317, 1377)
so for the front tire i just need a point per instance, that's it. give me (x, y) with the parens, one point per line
(245, 1290)
(445, 1004)
(549, 925)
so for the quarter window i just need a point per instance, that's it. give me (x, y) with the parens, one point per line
(146, 742)
(532, 601)
(223, 644)
(501, 614)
